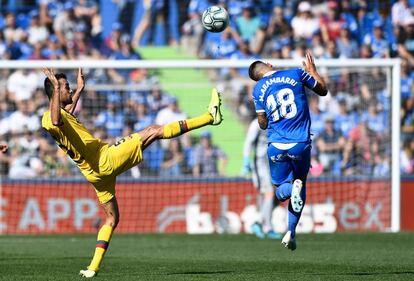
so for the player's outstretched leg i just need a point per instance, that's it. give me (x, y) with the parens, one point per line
(214, 107)
(213, 116)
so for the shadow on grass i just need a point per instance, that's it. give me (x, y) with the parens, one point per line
(364, 273)
(201, 272)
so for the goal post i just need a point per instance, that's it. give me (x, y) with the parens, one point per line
(231, 136)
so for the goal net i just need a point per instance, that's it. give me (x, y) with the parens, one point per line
(195, 183)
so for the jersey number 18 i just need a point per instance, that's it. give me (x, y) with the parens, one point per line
(286, 101)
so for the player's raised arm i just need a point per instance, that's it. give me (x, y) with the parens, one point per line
(52, 89)
(309, 66)
(80, 80)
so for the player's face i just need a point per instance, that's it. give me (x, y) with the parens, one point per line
(65, 92)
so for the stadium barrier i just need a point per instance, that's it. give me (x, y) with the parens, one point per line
(188, 206)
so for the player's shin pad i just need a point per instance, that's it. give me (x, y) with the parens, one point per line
(178, 128)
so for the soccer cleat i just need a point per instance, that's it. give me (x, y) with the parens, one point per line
(257, 230)
(289, 242)
(88, 273)
(271, 234)
(214, 107)
(295, 199)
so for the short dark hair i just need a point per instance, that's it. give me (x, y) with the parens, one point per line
(49, 86)
(254, 70)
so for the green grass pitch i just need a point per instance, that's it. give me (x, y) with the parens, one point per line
(358, 256)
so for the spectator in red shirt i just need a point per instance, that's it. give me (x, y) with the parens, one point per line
(331, 23)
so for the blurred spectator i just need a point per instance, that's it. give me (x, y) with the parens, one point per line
(125, 53)
(112, 42)
(344, 121)
(357, 158)
(23, 119)
(317, 46)
(405, 41)
(347, 47)
(209, 160)
(12, 33)
(37, 32)
(143, 118)
(156, 100)
(331, 23)
(330, 144)
(379, 45)
(248, 24)
(365, 20)
(381, 162)
(173, 162)
(192, 29)
(278, 32)
(304, 24)
(316, 116)
(64, 23)
(112, 119)
(407, 82)
(407, 119)
(21, 84)
(401, 12)
(317, 168)
(24, 161)
(407, 157)
(374, 120)
(170, 113)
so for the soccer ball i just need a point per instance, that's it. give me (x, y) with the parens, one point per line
(215, 19)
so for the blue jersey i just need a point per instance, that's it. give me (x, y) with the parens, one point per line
(281, 95)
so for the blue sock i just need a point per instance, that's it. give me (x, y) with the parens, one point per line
(293, 217)
(284, 191)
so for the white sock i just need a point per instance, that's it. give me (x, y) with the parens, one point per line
(266, 213)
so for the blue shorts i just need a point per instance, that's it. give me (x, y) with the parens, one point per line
(289, 164)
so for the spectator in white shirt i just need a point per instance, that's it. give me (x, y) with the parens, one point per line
(304, 24)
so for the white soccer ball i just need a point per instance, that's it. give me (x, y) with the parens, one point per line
(215, 19)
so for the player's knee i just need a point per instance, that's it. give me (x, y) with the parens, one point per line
(155, 131)
(277, 193)
(112, 221)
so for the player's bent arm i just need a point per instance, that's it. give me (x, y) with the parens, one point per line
(80, 86)
(262, 120)
(55, 107)
(320, 87)
(309, 66)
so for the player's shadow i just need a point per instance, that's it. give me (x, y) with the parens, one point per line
(201, 272)
(368, 273)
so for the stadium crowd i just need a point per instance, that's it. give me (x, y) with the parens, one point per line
(351, 127)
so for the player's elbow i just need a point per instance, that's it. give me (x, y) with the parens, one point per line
(263, 125)
(323, 92)
(56, 121)
(321, 89)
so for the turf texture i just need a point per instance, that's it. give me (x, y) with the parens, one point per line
(359, 256)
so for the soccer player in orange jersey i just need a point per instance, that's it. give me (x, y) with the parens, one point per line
(101, 162)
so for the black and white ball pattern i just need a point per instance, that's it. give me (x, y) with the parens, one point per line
(215, 19)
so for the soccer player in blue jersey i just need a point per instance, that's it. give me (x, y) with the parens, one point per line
(282, 108)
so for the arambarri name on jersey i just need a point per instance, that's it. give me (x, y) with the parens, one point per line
(281, 95)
